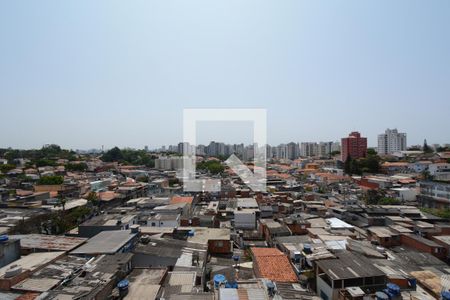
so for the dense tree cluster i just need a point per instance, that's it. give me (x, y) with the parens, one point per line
(128, 156)
(369, 164)
(80, 167)
(212, 166)
(51, 180)
(442, 213)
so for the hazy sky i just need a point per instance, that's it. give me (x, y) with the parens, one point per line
(88, 73)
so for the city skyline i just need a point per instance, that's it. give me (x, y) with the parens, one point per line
(148, 146)
(107, 73)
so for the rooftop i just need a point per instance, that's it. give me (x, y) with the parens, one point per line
(422, 240)
(51, 275)
(273, 265)
(48, 242)
(338, 223)
(32, 262)
(145, 283)
(382, 231)
(203, 234)
(180, 199)
(443, 238)
(106, 242)
(348, 265)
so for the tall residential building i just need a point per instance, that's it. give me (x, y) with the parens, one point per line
(293, 151)
(324, 149)
(309, 149)
(281, 151)
(353, 146)
(169, 163)
(336, 146)
(391, 141)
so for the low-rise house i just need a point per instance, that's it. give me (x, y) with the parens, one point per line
(384, 236)
(97, 280)
(108, 242)
(347, 270)
(297, 225)
(245, 218)
(145, 283)
(105, 222)
(434, 194)
(22, 268)
(405, 193)
(51, 275)
(443, 240)
(272, 229)
(217, 240)
(272, 264)
(30, 243)
(9, 250)
(424, 245)
(440, 171)
(176, 255)
(160, 220)
(178, 208)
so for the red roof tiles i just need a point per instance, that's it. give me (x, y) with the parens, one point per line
(179, 199)
(272, 264)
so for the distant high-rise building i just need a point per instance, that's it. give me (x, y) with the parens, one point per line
(293, 151)
(391, 141)
(200, 150)
(281, 151)
(336, 147)
(324, 149)
(212, 149)
(353, 146)
(221, 149)
(309, 149)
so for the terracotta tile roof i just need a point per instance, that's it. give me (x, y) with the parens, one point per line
(179, 199)
(272, 264)
(394, 164)
(28, 296)
(108, 195)
(265, 251)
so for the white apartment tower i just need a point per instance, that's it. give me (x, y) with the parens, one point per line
(391, 141)
(309, 149)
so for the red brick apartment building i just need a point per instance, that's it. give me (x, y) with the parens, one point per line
(354, 146)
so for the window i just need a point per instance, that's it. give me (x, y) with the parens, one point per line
(219, 244)
(153, 224)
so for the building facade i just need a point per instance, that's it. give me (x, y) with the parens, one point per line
(353, 146)
(391, 141)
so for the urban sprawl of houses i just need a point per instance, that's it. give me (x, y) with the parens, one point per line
(339, 220)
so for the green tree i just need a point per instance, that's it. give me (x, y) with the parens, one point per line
(212, 166)
(426, 148)
(371, 151)
(112, 155)
(51, 180)
(388, 201)
(80, 167)
(93, 198)
(6, 168)
(348, 165)
(44, 162)
(442, 213)
(62, 202)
